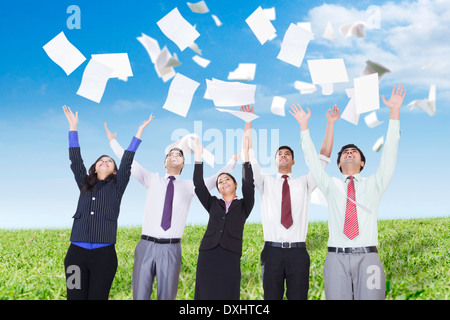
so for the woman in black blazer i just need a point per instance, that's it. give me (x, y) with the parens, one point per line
(218, 274)
(91, 260)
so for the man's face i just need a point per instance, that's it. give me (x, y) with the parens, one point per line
(284, 159)
(351, 156)
(174, 160)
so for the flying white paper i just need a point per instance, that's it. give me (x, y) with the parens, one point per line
(349, 113)
(180, 95)
(199, 7)
(177, 29)
(64, 54)
(373, 67)
(294, 45)
(119, 62)
(305, 87)
(151, 46)
(95, 78)
(372, 120)
(165, 63)
(329, 32)
(326, 72)
(306, 26)
(230, 94)
(216, 20)
(201, 61)
(187, 144)
(366, 93)
(270, 13)
(378, 144)
(428, 105)
(244, 72)
(194, 47)
(356, 29)
(261, 26)
(246, 116)
(277, 106)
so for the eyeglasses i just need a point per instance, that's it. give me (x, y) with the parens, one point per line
(174, 154)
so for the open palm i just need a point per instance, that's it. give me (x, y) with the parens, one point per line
(396, 99)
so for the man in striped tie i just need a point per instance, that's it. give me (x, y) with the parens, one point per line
(353, 269)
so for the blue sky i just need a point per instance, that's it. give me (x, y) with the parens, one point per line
(37, 187)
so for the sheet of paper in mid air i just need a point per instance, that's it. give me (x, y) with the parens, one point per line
(63, 53)
(244, 72)
(177, 29)
(349, 113)
(326, 72)
(230, 94)
(428, 105)
(198, 7)
(180, 95)
(261, 26)
(119, 62)
(295, 42)
(277, 106)
(372, 120)
(94, 80)
(246, 116)
(367, 96)
(378, 144)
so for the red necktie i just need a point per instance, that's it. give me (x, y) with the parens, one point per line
(286, 214)
(351, 218)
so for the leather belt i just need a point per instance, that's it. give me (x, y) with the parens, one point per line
(353, 250)
(285, 245)
(162, 241)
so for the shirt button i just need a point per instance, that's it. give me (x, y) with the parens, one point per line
(93, 198)
(92, 213)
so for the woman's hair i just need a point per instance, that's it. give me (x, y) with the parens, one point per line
(217, 180)
(91, 179)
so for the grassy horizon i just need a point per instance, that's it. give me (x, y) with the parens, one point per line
(414, 254)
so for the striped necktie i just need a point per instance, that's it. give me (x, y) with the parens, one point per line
(286, 214)
(351, 229)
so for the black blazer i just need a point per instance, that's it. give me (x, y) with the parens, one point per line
(223, 228)
(97, 212)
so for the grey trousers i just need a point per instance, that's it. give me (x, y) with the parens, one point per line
(357, 276)
(160, 260)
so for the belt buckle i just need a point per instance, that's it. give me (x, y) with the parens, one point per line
(349, 250)
(288, 247)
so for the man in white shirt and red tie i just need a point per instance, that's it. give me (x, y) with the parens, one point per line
(353, 269)
(158, 253)
(284, 212)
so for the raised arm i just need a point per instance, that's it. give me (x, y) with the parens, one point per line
(258, 176)
(388, 158)
(248, 187)
(77, 165)
(201, 190)
(327, 144)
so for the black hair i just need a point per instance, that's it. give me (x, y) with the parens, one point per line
(217, 180)
(91, 179)
(363, 158)
(285, 147)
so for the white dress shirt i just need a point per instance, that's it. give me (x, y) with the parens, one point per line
(368, 191)
(270, 189)
(156, 186)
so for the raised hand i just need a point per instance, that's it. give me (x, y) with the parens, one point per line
(143, 126)
(301, 116)
(395, 101)
(333, 115)
(71, 118)
(247, 108)
(109, 134)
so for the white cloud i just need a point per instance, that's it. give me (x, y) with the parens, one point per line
(412, 34)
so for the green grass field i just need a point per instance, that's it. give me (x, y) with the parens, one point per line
(414, 253)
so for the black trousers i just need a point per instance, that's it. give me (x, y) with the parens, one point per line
(285, 264)
(90, 273)
(218, 275)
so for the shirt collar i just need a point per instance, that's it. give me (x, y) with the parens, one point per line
(280, 175)
(166, 177)
(356, 177)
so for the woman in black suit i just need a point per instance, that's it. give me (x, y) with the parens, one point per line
(218, 274)
(91, 260)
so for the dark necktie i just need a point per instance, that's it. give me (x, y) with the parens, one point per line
(286, 214)
(167, 211)
(351, 229)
